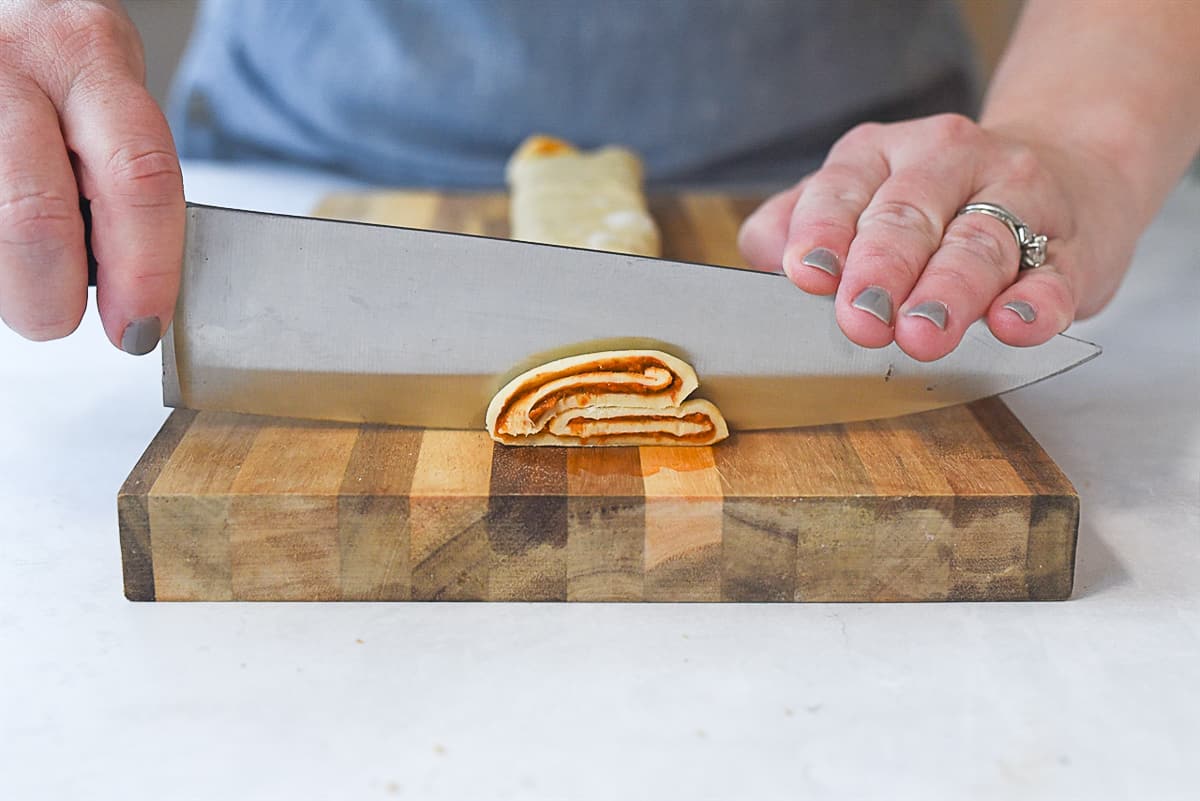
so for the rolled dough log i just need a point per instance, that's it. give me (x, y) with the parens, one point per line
(561, 196)
(630, 397)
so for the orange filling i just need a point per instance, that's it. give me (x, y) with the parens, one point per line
(545, 405)
(548, 146)
(577, 425)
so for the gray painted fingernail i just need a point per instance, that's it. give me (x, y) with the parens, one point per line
(876, 302)
(932, 310)
(1023, 310)
(824, 260)
(141, 336)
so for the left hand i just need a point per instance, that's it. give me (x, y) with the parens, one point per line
(883, 209)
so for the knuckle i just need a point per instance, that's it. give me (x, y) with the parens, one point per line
(91, 38)
(62, 36)
(966, 278)
(149, 173)
(853, 196)
(840, 184)
(867, 130)
(876, 256)
(822, 229)
(862, 134)
(37, 219)
(1022, 164)
(901, 215)
(84, 24)
(953, 128)
(20, 43)
(981, 244)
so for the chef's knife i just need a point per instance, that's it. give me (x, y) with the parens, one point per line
(322, 319)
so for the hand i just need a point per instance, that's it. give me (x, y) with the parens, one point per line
(881, 213)
(77, 121)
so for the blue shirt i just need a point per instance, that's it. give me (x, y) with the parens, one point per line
(440, 92)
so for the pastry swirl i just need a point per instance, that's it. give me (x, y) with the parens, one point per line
(631, 397)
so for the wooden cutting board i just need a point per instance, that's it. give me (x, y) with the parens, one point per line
(956, 504)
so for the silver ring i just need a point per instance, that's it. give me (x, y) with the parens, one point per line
(1033, 246)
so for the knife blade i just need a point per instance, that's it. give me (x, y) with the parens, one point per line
(313, 318)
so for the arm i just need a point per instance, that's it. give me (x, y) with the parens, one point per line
(1093, 115)
(1117, 78)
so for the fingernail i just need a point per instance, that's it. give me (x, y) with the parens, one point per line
(141, 336)
(876, 302)
(932, 310)
(1023, 310)
(824, 260)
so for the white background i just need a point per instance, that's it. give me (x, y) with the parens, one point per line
(1094, 698)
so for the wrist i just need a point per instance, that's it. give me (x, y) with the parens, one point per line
(1101, 149)
(1116, 87)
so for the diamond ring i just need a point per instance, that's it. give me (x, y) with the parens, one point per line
(1033, 246)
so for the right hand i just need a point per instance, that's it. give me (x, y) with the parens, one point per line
(77, 121)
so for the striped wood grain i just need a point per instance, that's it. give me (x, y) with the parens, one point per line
(956, 504)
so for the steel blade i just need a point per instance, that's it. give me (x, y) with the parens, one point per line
(314, 318)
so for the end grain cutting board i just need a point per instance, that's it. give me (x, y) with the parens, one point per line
(956, 504)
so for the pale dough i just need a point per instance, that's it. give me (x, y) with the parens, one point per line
(562, 196)
(629, 397)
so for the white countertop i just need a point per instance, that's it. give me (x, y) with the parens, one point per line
(1094, 698)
